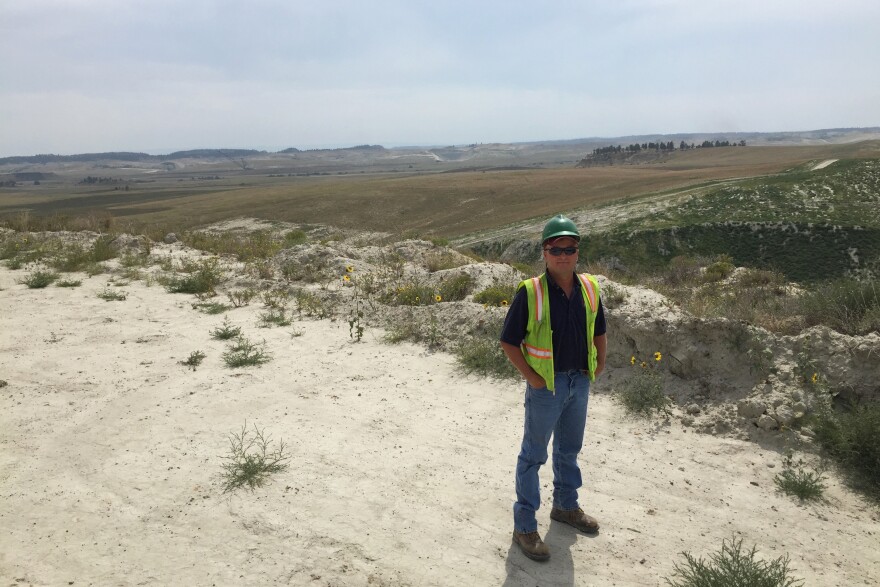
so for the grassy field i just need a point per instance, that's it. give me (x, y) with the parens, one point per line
(443, 204)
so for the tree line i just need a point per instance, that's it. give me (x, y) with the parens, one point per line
(663, 146)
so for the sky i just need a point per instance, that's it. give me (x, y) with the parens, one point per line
(157, 76)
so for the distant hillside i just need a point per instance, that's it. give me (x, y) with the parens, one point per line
(451, 153)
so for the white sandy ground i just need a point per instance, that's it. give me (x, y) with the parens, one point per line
(401, 469)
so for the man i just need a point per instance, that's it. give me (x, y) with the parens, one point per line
(554, 334)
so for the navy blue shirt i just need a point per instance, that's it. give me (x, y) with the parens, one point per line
(568, 318)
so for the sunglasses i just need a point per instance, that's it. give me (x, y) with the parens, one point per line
(556, 251)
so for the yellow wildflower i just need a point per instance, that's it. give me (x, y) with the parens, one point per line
(815, 377)
(346, 278)
(438, 298)
(418, 298)
(349, 269)
(632, 360)
(503, 302)
(644, 364)
(657, 356)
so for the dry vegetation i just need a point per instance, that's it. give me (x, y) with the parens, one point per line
(443, 204)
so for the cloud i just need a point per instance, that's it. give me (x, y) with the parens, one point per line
(170, 73)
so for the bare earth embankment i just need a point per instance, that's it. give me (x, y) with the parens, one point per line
(401, 469)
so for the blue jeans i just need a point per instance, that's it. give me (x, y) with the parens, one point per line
(564, 415)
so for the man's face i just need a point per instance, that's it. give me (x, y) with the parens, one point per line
(563, 262)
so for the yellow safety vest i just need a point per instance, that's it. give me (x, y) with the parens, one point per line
(537, 347)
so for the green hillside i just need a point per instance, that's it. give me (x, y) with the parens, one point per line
(809, 225)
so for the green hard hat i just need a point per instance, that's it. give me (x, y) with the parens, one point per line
(560, 226)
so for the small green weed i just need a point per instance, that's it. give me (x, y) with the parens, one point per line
(309, 304)
(241, 297)
(274, 316)
(226, 331)
(244, 353)
(720, 269)
(482, 355)
(195, 359)
(203, 278)
(732, 567)
(276, 298)
(642, 394)
(456, 288)
(210, 307)
(443, 260)
(797, 481)
(294, 237)
(411, 294)
(850, 437)
(251, 459)
(39, 279)
(496, 295)
(69, 283)
(110, 295)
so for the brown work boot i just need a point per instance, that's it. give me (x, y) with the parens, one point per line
(532, 545)
(577, 519)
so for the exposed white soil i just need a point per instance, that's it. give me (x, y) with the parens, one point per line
(401, 468)
(824, 164)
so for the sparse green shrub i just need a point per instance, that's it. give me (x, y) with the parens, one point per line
(720, 269)
(496, 295)
(275, 316)
(848, 306)
(74, 258)
(261, 269)
(101, 249)
(244, 353)
(241, 297)
(850, 437)
(210, 307)
(110, 295)
(411, 294)
(795, 480)
(311, 272)
(443, 260)
(642, 394)
(682, 271)
(256, 245)
(294, 237)
(483, 355)
(732, 567)
(761, 278)
(276, 298)
(413, 329)
(439, 241)
(251, 460)
(203, 278)
(226, 331)
(16, 263)
(456, 288)
(613, 296)
(135, 260)
(194, 360)
(39, 279)
(311, 305)
(69, 283)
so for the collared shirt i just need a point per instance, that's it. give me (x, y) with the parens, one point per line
(568, 319)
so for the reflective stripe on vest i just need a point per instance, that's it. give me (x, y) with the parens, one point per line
(538, 352)
(588, 287)
(539, 299)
